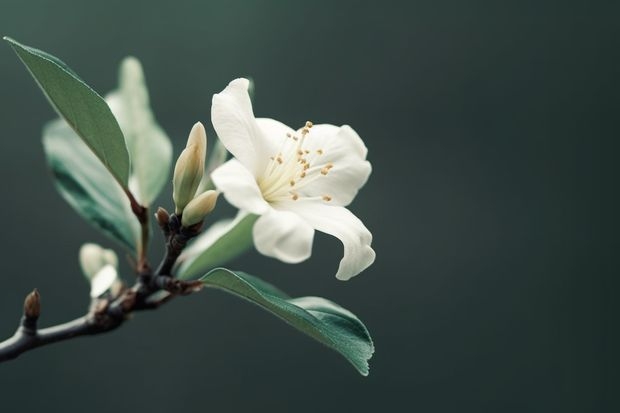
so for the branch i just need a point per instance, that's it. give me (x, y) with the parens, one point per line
(107, 313)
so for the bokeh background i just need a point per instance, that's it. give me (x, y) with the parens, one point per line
(492, 129)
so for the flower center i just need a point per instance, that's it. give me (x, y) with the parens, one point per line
(293, 168)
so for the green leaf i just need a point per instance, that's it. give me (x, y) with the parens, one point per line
(317, 317)
(149, 148)
(87, 186)
(219, 244)
(85, 111)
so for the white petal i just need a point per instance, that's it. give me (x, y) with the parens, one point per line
(343, 149)
(283, 235)
(342, 224)
(274, 131)
(102, 281)
(234, 122)
(239, 187)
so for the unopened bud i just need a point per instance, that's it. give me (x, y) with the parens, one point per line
(162, 217)
(32, 305)
(93, 258)
(199, 208)
(189, 168)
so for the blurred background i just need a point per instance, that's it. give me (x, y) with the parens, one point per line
(492, 132)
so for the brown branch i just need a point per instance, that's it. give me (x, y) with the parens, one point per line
(142, 214)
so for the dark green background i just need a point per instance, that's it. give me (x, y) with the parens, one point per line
(492, 131)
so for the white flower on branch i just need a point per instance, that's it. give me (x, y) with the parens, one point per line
(298, 181)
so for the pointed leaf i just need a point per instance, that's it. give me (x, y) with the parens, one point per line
(149, 148)
(317, 317)
(85, 111)
(87, 186)
(219, 244)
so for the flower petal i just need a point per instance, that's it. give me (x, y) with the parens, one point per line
(342, 224)
(283, 235)
(234, 122)
(239, 187)
(343, 150)
(274, 131)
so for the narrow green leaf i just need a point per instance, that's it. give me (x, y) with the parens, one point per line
(219, 244)
(317, 317)
(85, 111)
(149, 148)
(87, 186)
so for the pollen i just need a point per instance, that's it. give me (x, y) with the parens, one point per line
(319, 151)
(292, 183)
(309, 124)
(327, 198)
(279, 159)
(295, 197)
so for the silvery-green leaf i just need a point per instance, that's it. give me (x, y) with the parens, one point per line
(317, 317)
(87, 186)
(222, 242)
(150, 149)
(83, 109)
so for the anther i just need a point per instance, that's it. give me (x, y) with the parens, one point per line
(327, 198)
(292, 182)
(295, 197)
(319, 151)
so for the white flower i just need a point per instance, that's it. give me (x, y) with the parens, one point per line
(297, 181)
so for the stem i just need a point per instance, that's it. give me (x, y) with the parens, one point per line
(142, 213)
(108, 313)
(24, 340)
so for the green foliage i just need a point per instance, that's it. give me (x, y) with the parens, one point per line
(84, 110)
(317, 317)
(150, 149)
(87, 186)
(221, 243)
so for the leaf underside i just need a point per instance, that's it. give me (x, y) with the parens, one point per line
(317, 317)
(87, 186)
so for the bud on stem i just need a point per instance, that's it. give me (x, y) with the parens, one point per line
(199, 208)
(189, 168)
(32, 306)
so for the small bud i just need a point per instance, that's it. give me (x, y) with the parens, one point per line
(99, 266)
(199, 208)
(189, 168)
(162, 217)
(93, 258)
(32, 305)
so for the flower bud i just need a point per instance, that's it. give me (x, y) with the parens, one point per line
(32, 305)
(199, 208)
(99, 266)
(189, 168)
(93, 258)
